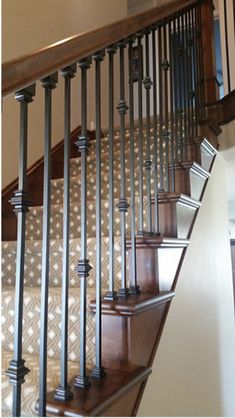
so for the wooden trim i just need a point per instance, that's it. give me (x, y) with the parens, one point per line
(27, 69)
(228, 105)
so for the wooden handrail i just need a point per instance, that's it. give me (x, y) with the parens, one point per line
(27, 69)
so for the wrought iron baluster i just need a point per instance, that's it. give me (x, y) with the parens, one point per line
(48, 83)
(180, 54)
(172, 113)
(122, 205)
(21, 202)
(134, 288)
(185, 85)
(140, 134)
(98, 370)
(195, 72)
(175, 85)
(148, 163)
(63, 391)
(165, 136)
(202, 104)
(160, 107)
(111, 294)
(83, 268)
(155, 155)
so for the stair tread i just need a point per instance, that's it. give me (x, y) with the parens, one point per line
(101, 395)
(30, 389)
(176, 196)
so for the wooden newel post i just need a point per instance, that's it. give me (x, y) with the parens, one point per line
(211, 85)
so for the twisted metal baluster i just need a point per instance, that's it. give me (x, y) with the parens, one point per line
(122, 205)
(83, 268)
(98, 370)
(63, 391)
(21, 202)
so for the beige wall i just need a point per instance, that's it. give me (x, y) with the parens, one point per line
(28, 25)
(194, 369)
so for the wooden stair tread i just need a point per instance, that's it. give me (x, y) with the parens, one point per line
(134, 304)
(158, 241)
(178, 197)
(194, 166)
(101, 394)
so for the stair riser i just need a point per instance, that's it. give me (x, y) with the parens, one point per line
(175, 219)
(189, 183)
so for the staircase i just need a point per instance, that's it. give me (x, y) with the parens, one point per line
(124, 205)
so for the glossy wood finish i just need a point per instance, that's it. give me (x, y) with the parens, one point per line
(190, 179)
(35, 183)
(23, 71)
(154, 272)
(176, 212)
(114, 395)
(228, 108)
(123, 344)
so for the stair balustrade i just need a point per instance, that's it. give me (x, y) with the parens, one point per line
(159, 58)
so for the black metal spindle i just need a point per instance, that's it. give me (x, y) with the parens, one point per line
(140, 134)
(175, 88)
(63, 391)
(181, 83)
(172, 113)
(98, 370)
(160, 107)
(111, 294)
(48, 83)
(155, 133)
(185, 84)
(148, 163)
(198, 81)
(165, 133)
(83, 268)
(192, 73)
(122, 204)
(202, 104)
(134, 288)
(195, 72)
(21, 202)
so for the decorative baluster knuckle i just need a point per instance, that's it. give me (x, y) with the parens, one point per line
(123, 205)
(165, 65)
(112, 49)
(21, 201)
(83, 268)
(50, 81)
(26, 94)
(122, 107)
(99, 55)
(69, 71)
(85, 63)
(17, 371)
(82, 143)
(148, 165)
(147, 82)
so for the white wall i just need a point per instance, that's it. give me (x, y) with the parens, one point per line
(194, 369)
(29, 25)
